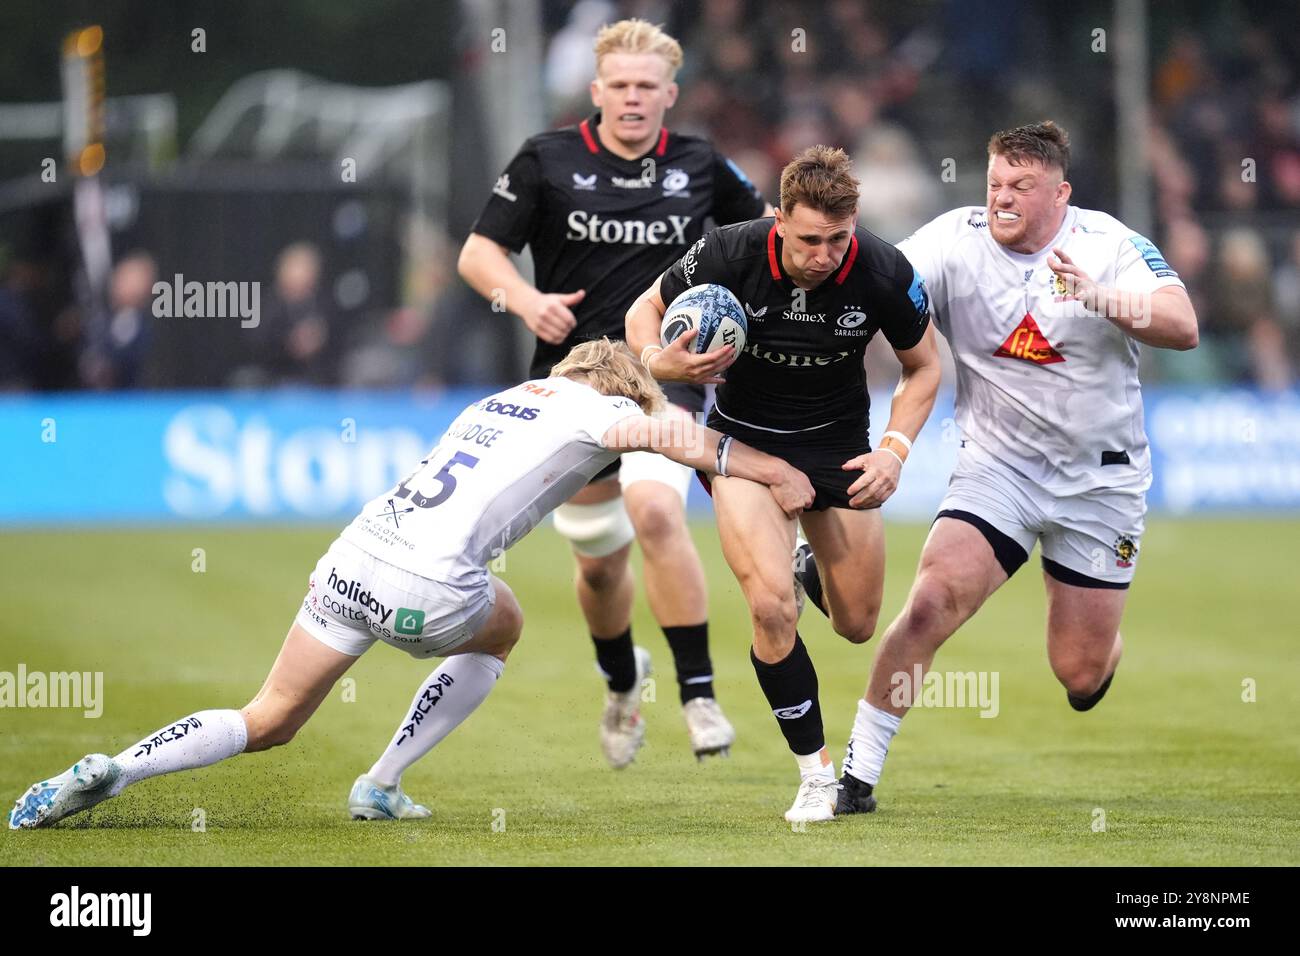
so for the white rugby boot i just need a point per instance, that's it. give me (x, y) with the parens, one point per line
(709, 729)
(815, 801)
(79, 788)
(622, 728)
(371, 800)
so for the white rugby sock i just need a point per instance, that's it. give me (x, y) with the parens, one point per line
(451, 694)
(873, 729)
(194, 741)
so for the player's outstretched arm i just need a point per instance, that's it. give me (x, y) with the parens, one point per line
(486, 266)
(713, 453)
(1164, 319)
(913, 400)
(676, 363)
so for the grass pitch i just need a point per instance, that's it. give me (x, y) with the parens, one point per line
(1175, 765)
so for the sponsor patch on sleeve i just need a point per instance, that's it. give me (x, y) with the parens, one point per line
(1152, 257)
(916, 292)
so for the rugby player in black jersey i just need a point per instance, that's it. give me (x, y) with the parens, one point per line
(604, 208)
(815, 287)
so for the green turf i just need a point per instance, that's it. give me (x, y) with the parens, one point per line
(1184, 770)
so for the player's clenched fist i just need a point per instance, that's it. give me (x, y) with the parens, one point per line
(880, 471)
(549, 318)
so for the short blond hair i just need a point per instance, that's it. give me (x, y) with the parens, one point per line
(611, 369)
(821, 177)
(635, 35)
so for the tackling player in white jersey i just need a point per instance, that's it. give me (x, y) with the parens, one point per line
(1044, 305)
(414, 574)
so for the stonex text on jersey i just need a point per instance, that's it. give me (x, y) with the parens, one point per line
(594, 220)
(589, 227)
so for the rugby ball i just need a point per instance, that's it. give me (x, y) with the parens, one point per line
(714, 311)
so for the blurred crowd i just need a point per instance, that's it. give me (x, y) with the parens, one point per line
(304, 335)
(902, 87)
(1225, 156)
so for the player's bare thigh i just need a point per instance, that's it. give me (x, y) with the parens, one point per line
(301, 676)
(957, 573)
(850, 550)
(597, 493)
(757, 540)
(1083, 642)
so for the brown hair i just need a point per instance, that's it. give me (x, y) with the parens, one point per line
(1043, 142)
(611, 369)
(638, 36)
(821, 177)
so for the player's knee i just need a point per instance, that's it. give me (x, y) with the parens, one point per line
(603, 574)
(774, 614)
(509, 628)
(1079, 676)
(269, 729)
(857, 629)
(932, 609)
(658, 523)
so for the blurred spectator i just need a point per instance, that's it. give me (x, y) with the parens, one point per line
(1286, 298)
(295, 326)
(898, 194)
(115, 351)
(20, 340)
(570, 60)
(1242, 318)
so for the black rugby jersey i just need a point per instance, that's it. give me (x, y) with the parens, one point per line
(801, 368)
(609, 225)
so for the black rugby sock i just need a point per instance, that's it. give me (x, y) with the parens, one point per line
(790, 686)
(614, 656)
(690, 646)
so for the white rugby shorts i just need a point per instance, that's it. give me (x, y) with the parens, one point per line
(354, 599)
(1088, 540)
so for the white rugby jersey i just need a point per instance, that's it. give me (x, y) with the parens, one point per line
(504, 464)
(1043, 385)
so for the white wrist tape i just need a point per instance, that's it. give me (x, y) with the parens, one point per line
(890, 451)
(900, 438)
(645, 359)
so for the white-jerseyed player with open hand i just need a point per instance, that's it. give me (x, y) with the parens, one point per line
(1044, 305)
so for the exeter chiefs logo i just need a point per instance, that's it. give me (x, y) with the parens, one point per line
(1126, 550)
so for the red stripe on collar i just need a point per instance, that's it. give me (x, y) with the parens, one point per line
(848, 262)
(772, 262)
